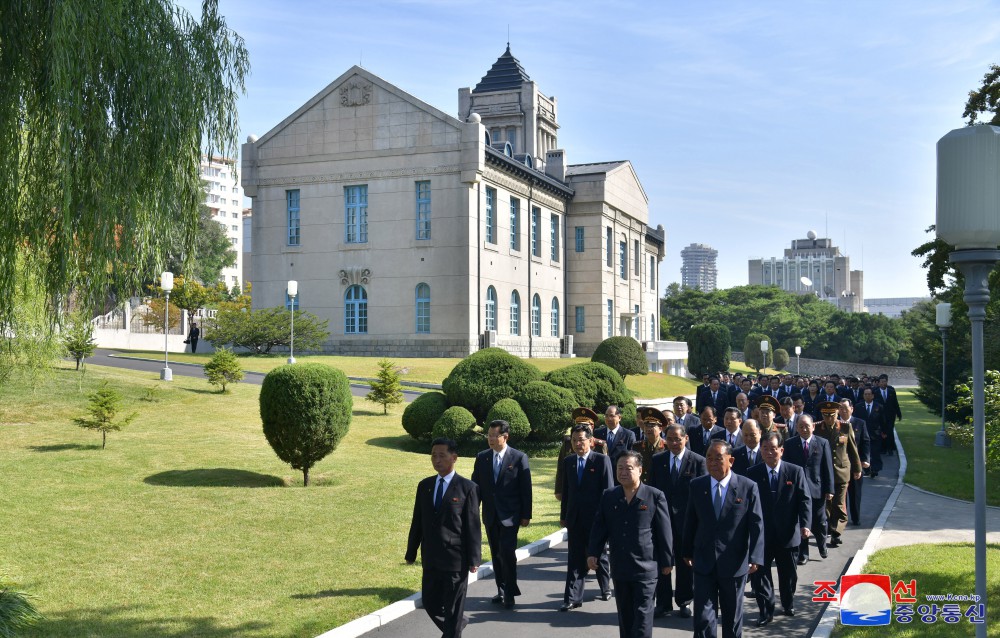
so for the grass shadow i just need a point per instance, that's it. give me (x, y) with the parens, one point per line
(62, 447)
(369, 413)
(214, 477)
(202, 391)
(386, 594)
(122, 621)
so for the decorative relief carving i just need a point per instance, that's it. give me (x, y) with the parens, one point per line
(355, 93)
(359, 175)
(355, 275)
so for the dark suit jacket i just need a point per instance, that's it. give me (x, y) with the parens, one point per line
(699, 398)
(892, 411)
(741, 460)
(724, 436)
(695, 438)
(510, 498)
(638, 533)
(623, 442)
(862, 439)
(449, 539)
(733, 541)
(874, 419)
(580, 499)
(692, 466)
(787, 512)
(818, 467)
(720, 403)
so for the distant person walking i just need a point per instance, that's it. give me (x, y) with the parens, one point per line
(193, 336)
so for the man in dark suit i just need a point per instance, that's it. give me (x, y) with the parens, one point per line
(742, 403)
(723, 542)
(682, 412)
(671, 473)
(617, 439)
(586, 475)
(812, 454)
(872, 412)
(748, 454)
(706, 386)
(887, 395)
(504, 481)
(446, 529)
(715, 396)
(864, 451)
(787, 511)
(633, 518)
(700, 436)
(731, 434)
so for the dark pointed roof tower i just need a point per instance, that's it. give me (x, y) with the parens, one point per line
(505, 74)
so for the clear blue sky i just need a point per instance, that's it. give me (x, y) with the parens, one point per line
(749, 123)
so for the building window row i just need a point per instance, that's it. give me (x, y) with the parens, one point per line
(515, 313)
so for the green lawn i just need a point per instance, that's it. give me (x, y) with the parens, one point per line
(426, 370)
(943, 470)
(938, 570)
(189, 525)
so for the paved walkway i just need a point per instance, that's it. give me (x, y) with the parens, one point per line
(922, 517)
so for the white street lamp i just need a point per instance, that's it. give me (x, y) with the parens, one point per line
(941, 439)
(968, 217)
(763, 349)
(166, 284)
(293, 292)
(798, 352)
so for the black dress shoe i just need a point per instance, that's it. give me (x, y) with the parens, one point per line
(497, 600)
(684, 612)
(568, 606)
(790, 611)
(765, 620)
(834, 542)
(605, 595)
(662, 612)
(874, 474)
(823, 553)
(749, 594)
(804, 560)
(509, 603)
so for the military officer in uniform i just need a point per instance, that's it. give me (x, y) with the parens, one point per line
(846, 464)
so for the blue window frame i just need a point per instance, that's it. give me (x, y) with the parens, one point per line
(491, 219)
(652, 273)
(294, 227)
(637, 322)
(423, 308)
(491, 308)
(290, 300)
(554, 236)
(652, 327)
(515, 313)
(356, 214)
(515, 223)
(580, 324)
(579, 239)
(536, 222)
(536, 316)
(636, 258)
(423, 210)
(610, 243)
(611, 318)
(554, 328)
(356, 310)
(623, 260)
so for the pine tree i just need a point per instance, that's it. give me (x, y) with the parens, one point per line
(79, 339)
(386, 390)
(104, 407)
(223, 368)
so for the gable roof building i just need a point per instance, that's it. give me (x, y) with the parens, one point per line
(417, 233)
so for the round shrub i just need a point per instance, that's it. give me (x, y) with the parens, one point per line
(709, 348)
(753, 356)
(549, 409)
(596, 386)
(624, 354)
(781, 359)
(420, 416)
(455, 423)
(483, 378)
(306, 411)
(510, 411)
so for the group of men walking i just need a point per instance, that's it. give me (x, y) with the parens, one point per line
(678, 513)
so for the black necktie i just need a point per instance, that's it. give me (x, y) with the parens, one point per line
(774, 481)
(674, 469)
(439, 494)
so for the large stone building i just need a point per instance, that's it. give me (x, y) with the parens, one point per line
(698, 267)
(417, 233)
(222, 196)
(813, 266)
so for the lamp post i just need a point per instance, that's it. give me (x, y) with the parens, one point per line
(941, 439)
(166, 284)
(763, 349)
(968, 217)
(798, 352)
(293, 291)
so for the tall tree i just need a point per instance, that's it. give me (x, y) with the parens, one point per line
(106, 107)
(211, 253)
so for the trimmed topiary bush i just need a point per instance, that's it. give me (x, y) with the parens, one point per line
(624, 354)
(306, 411)
(455, 423)
(420, 416)
(596, 386)
(510, 411)
(709, 348)
(781, 359)
(483, 378)
(753, 356)
(549, 409)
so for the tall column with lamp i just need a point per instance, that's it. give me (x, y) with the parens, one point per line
(293, 292)
(968, 218)
(941, 439)
(166, 285)
(763, 349)
(798, 353)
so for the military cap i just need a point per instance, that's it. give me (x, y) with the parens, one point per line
(584, 415)
(829, 407)
(767, 402)
(649, 414)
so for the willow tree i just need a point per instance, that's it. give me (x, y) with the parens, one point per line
(106, 107)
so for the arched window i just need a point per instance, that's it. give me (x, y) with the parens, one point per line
(491, 308)
(515, 314)
(356, 311)
(423, 309)
(555, 317)
(536, 316)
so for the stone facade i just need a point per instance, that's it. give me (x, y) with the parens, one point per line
(417, 233)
